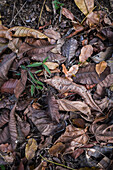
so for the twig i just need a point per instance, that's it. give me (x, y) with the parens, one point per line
(17, 13)
(41, 12)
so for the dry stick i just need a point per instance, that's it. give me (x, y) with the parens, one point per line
(41, 12)
(17, 13)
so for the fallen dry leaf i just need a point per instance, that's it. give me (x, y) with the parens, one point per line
(85, 6)
(86, 52)
(51, 33)
(101, 67)
(56, 149)
(6, 34)
(67, 14)
(30, 149)
(9, 86)
(51, 65)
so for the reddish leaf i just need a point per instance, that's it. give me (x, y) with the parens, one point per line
(9, 86)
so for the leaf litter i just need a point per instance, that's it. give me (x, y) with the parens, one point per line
(56, 101)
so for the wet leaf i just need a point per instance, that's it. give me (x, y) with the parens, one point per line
(67, 105)
(86, 52)
(51, 65)
(101, 67)
(53, 109)
(5, 66)
(63, 85)
(85, 6)
(26, 32)
(67, 14)
(30, 149)
(56, 149)
(9, 86)
(88, 75)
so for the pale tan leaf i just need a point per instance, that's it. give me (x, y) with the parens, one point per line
(85, 6)
(51, 65)
(30, 149)
(86, 52)
(101, 67)
(73, 70)
(51, 33)
(67, 105)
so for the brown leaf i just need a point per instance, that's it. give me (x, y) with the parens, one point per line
(21, 84)
(15, 44)
(26, 32)
(102, 132)
(52, 34)
(4, 135)
(77, 153)
(63, 85)
(67, 14)
(4, 147)
(30, 149)
(53, 108)
(4, 118)
(101, 67)
(9, 86)
(56, 149)
(80, 123)
(87, 75)
(86, 52)
(85, 6)
(4, 67)
(67, 105)
(69, 48)
(73, 137)
(6, 34)
(100, 91)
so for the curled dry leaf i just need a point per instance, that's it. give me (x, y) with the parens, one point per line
(4, 135)
(87, 75)
(67, 14)
(67, 105)
(86, 52)
(72, 71)
(63, 85)
(9, 86)
(26, 32)
(21, 84)
(53, 109)
(51, 65)
(4, 67)
(101, 67)
(4, 118)
(107, 82)
(30, 149)
(85, 6)
(56, 149)
(102, 132)
(73, 137)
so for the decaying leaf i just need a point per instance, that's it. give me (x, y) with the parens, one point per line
(30, 149)
(51, 65)
(87, 75)
(107, 82)
(51, 33)
(4, 67)
(85, 6)
(6, 34)
(4, 135)
(69, 48)
(26, 32)
(67, 14)
(53, 110)
(102, 132)
(67, 105)
(4, 118)
(73, 137)
(101, 67)
(63, 85)
(9, 86)
(56, 149)
(21, 84)
(86, 52)
(15, 44)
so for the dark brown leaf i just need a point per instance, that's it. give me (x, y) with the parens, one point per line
(56, 149)
(51, 33)
(67, 14)
(21, 84)
(53, 108)
(77, 153)
(4, 118)
(9, 86)
(4, 135)
(4, 67)
(63, 85)
(6, 34)
(88, 75)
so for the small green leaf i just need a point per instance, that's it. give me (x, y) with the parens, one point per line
(45, 59)
(31, 75)
(38, 82)
(46, 68)
(38, 71)
(35, 64)
(18, 74)
(32, 90)
(23, 67)
(2, 167)
(39, 87)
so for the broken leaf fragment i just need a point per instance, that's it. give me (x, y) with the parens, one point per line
(30, 149)
(101, 67)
